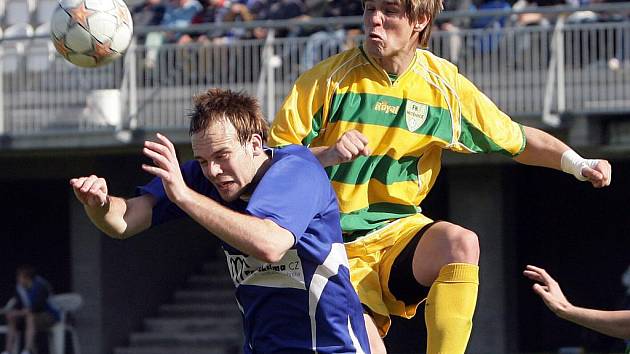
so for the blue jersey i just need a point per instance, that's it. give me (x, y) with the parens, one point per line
(36, 298)
(304, 303)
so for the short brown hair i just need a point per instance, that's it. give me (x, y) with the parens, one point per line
(238, 108)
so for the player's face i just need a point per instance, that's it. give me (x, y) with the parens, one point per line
(226, 163)
(388, 31)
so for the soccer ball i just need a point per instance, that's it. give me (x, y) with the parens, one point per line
(91, 33)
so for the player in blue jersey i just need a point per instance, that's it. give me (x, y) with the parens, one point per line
(275, 212)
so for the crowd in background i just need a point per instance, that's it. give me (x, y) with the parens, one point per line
(177, 14)
(182, 13)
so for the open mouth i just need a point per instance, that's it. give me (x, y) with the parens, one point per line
(224, 185)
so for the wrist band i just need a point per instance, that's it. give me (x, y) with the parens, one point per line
(573, 163)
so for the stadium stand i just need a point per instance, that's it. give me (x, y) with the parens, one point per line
(203, 319)
(14, 50)
(44, 11)
(18, 12)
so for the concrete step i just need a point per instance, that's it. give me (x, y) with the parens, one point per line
(199, 339)
(225, 309)
(224, 349)
(218, 295)
(190, 325)
(212, 281)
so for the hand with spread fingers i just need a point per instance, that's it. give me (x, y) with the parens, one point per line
(612, 323)
(548, 289)
(165, 166)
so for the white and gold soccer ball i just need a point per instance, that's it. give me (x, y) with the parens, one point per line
(91, 33)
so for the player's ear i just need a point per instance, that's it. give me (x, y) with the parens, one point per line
(421, 23)
(257, 144)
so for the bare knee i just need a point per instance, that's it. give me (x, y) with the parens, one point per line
(462, 244)
(443, 243)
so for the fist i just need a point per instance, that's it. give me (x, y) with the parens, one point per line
(90, 191)
(351, 144)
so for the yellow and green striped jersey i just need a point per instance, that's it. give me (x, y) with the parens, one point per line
(408, 122)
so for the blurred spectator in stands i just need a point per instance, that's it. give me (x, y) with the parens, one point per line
(487, 35)
(148, 13)
(277, 10)
(179, 14)
(453, 41)
(333, 38)
(238, 12)
(213, 11)
(31, 311)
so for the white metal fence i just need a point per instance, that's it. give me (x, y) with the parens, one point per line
(541, 70)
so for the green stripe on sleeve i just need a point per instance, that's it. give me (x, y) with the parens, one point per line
(316, 125)
(475, 140)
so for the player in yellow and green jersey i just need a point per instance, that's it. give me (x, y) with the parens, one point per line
(378, 117)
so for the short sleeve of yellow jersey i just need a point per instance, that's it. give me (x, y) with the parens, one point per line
(300, 117)
(483, 126)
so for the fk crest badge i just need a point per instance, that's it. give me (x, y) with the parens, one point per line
(415, 114)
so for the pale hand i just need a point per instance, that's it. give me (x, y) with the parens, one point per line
(349, 146)
(166, 167)
(548, 289)
(90, 191)
(600, 175)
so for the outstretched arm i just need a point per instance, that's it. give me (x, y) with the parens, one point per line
(544, 150)
(117, 217)
(612, 323)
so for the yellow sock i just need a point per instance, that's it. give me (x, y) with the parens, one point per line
(449, 308)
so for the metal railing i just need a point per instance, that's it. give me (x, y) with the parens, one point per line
(545, 70)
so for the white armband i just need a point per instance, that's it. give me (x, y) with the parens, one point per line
(573, 163)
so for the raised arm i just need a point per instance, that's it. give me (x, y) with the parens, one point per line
(612, 323)
(254, 236)
(117, 217)
(544, 150)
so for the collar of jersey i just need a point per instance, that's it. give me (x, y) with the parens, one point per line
(380, 69)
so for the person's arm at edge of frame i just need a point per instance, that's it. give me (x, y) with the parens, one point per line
(543, 149)
(261, 238)
(117, 217)
(612, 323)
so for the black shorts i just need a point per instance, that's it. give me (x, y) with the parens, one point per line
(402, 283)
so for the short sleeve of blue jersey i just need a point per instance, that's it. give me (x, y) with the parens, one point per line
(165, 210)
(291, 193)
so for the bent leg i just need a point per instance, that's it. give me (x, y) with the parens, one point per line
(446, 259)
